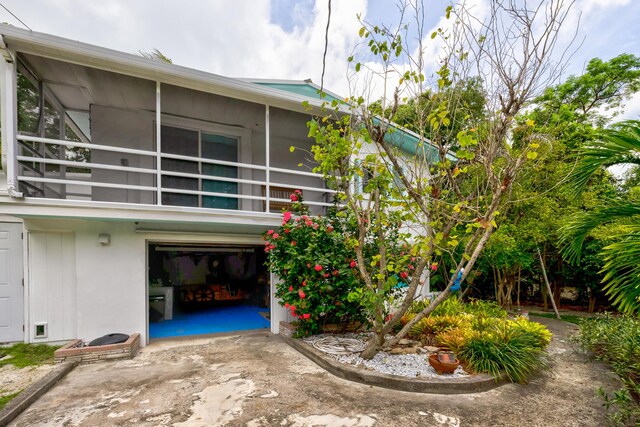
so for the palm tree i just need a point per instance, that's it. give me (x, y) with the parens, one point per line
(618, 145)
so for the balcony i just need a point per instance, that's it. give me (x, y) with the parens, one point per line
(86, 134)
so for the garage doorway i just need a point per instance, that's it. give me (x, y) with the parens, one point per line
(197, 289)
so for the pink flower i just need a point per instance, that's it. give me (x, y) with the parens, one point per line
(404, 275)
(290, 288)
(304, 283)
(309, 223)
(335, 272)
(293, 309)
(326, 275)
(306, 316)
(315, 226)
(301, 294)
(269, 233)
(318, 267)
(276, 235)
(286, 305)
(293, 243)
(298, 192)
(329, 229)
(353, 264)
(434, 266)
(297, 219)
(308, 265)
(287, 231)
(286, 217)
(293, 198)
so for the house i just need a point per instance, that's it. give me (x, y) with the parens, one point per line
(134, 193)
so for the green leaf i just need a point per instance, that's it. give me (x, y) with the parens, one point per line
(357, 67)
(292, 149)
(361, 32)
(532, 155)
(433, 35)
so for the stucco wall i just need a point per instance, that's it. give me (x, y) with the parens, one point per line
(103, 287)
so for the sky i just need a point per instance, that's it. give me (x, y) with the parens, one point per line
(284, 39)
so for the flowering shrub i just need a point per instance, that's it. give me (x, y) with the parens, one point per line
(316, 268)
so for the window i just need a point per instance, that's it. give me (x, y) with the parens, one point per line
(199, 144)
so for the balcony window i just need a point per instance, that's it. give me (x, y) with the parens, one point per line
(199, 145)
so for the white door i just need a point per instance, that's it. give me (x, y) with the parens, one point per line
(11, 290)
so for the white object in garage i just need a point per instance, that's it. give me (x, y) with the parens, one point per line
(167, 293)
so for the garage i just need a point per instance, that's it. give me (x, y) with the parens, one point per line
(196, 289)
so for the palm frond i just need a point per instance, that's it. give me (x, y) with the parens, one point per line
(575, 231)
(617, 145)
(622, 268)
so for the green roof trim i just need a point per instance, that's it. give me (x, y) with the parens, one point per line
(407, 141)
(411, 143)
(303, 89)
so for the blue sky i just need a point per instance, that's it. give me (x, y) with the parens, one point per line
(282, 39)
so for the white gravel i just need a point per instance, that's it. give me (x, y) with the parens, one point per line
(405, 365)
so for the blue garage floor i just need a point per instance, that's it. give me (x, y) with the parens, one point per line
(211, 320)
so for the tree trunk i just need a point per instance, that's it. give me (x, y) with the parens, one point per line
(519, 280)
(556, 293)
(376, 341)
(592, 301)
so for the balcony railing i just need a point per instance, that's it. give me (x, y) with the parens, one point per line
(44, 171)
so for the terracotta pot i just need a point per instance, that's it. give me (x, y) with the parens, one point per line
(443, 367)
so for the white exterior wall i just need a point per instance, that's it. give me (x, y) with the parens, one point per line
(51, 287)
(80, 288)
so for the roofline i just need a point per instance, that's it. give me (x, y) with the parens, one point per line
(55, 47)
(307, 82)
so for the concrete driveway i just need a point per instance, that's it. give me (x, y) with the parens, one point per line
(257, 380)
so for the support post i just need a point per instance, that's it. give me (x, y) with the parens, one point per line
(544, 274)
(9, 120)
(158, 145)
(267, 157)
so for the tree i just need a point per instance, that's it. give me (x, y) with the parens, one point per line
(445, 199)
(565, 118)
(618, 145)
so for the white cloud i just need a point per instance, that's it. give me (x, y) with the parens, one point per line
(235, 39)
(242, 38)
(631, 109)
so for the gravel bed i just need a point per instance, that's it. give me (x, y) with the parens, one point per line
(405, 365)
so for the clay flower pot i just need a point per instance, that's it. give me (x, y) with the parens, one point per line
(443, 366)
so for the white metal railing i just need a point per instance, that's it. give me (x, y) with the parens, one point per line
(157, 187)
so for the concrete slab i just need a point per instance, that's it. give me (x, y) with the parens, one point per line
(257, 380)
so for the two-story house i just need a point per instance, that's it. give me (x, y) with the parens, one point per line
(134, 192)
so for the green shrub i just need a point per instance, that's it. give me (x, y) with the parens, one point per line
(510, 352)
(615, 340)
(482, 337)
(316, 269)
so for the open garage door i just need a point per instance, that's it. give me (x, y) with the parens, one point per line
(199, 289)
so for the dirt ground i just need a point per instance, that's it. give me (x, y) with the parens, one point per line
(257, 380)
(13, 380)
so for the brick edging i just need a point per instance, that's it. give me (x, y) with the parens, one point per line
(32, 393)
(462, 385)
